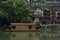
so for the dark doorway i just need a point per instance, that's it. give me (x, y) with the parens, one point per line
(13, 27)
(30, 26)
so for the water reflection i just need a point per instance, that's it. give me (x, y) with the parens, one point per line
(28, 36)
(23, 36)
(34, 36)
(4, 36)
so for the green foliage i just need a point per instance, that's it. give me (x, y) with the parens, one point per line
(26, 19)
(14, 10)
(39, 25)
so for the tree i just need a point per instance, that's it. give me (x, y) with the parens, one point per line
(14, 11)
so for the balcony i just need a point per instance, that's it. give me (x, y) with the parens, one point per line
(58, 15)
(36, 16)
(53, 1)
(58, 21)
(46, 18)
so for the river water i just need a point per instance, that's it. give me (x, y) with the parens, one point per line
(29, 36)
(44, 34)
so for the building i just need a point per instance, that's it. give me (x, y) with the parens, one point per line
(23, 27)
(47, 12)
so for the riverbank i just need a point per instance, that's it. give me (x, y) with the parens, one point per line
(22, 30)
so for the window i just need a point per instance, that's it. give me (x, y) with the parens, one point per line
(30, 26)
(44, 22)
(13, 27)
(36, 28)
(58, 18)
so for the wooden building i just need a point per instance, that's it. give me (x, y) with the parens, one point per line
(23, 26)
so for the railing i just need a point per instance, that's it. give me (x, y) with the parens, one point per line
(51, 24)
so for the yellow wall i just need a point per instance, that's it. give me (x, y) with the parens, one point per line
(25, 27)
(21, 27)
(33, 27)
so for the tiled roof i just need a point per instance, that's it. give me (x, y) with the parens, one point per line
(14, 24)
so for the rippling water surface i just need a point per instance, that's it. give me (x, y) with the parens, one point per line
(49, 34)
(28, 36)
